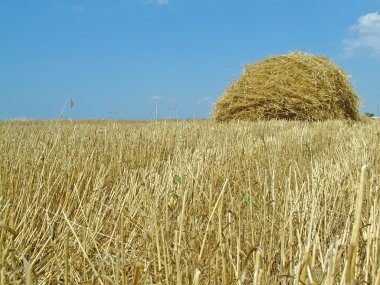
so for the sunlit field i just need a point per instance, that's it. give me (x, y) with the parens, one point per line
(189, 202)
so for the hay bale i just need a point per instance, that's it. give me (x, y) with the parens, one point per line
(296, 86)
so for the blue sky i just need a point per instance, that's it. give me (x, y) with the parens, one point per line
(135, 59)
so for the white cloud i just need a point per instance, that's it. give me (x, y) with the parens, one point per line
(364, 36)
(157, 2)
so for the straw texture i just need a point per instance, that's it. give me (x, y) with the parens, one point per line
(296, 86)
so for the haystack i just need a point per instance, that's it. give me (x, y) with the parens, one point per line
(296, 86)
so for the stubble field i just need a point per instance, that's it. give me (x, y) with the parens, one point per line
(189, 202)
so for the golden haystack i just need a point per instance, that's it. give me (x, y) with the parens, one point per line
(296, 86)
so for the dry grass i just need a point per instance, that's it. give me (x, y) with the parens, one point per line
(295, 86)
(189, 203)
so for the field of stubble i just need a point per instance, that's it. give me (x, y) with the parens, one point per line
(189, 202)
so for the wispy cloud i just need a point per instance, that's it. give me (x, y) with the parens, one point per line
(206, 100)
(78, 8)
(364, 36)
(157, 98)
(163, 98)
(157, 2)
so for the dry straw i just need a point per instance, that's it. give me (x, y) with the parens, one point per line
(175, 202)
(296, 86)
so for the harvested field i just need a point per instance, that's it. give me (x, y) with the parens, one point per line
(191, 202)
